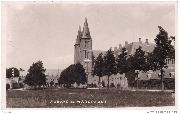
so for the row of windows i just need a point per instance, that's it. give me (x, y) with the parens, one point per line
(170, 75)
(52, 79)
(170, 61)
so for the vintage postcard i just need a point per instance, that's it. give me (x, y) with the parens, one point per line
(89, 55)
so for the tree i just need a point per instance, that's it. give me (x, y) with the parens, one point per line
(122, 66)
(161, 52)
(73, 73)
(131, 72)
(99, 66)
(36, 75)
(80, 75)
(12, 72)
(139, 59)
(110, 64)
(149, 64)
(171, 54)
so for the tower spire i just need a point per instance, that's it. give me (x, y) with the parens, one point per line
(79, 28)
(85, 24)
(79, 35)
(85, 32)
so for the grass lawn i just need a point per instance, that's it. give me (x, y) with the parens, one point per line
(75, 98)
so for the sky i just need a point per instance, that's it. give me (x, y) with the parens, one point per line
(47, 31)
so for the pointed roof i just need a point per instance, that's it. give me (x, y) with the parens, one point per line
(79, 36)
(85, 32)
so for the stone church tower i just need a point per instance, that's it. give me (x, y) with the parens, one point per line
(83, 48)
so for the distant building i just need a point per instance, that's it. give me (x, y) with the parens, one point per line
(51, 81)
(52, 76)
(14, 82)
(131, 47)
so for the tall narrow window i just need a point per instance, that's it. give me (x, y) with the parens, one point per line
(85, 54)
(168, 61)
(85, 44)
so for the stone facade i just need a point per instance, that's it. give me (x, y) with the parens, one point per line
(83, 49)
(84, 54)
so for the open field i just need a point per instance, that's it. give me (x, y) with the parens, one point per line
(55, 98)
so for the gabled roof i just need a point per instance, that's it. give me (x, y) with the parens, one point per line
(131, 48)
(145, 47)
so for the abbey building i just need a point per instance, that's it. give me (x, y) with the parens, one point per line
(84, 54)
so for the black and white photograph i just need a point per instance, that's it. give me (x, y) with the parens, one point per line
(89, 54)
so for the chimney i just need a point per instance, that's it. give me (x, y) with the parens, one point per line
(120, 46)
(115, 48)
(140, 40)
(147, 42)
(126, 43)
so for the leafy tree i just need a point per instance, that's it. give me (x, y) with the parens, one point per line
(131, 72)
(135, 62)
(73, 73)
(122, 66)
(110, 64)
(139, 59)
(161, 52)
(99, 66)
(36, 75)
(171, 54)
(149, 64)
(12, 72)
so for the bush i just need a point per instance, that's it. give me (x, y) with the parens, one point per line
(7, 86)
